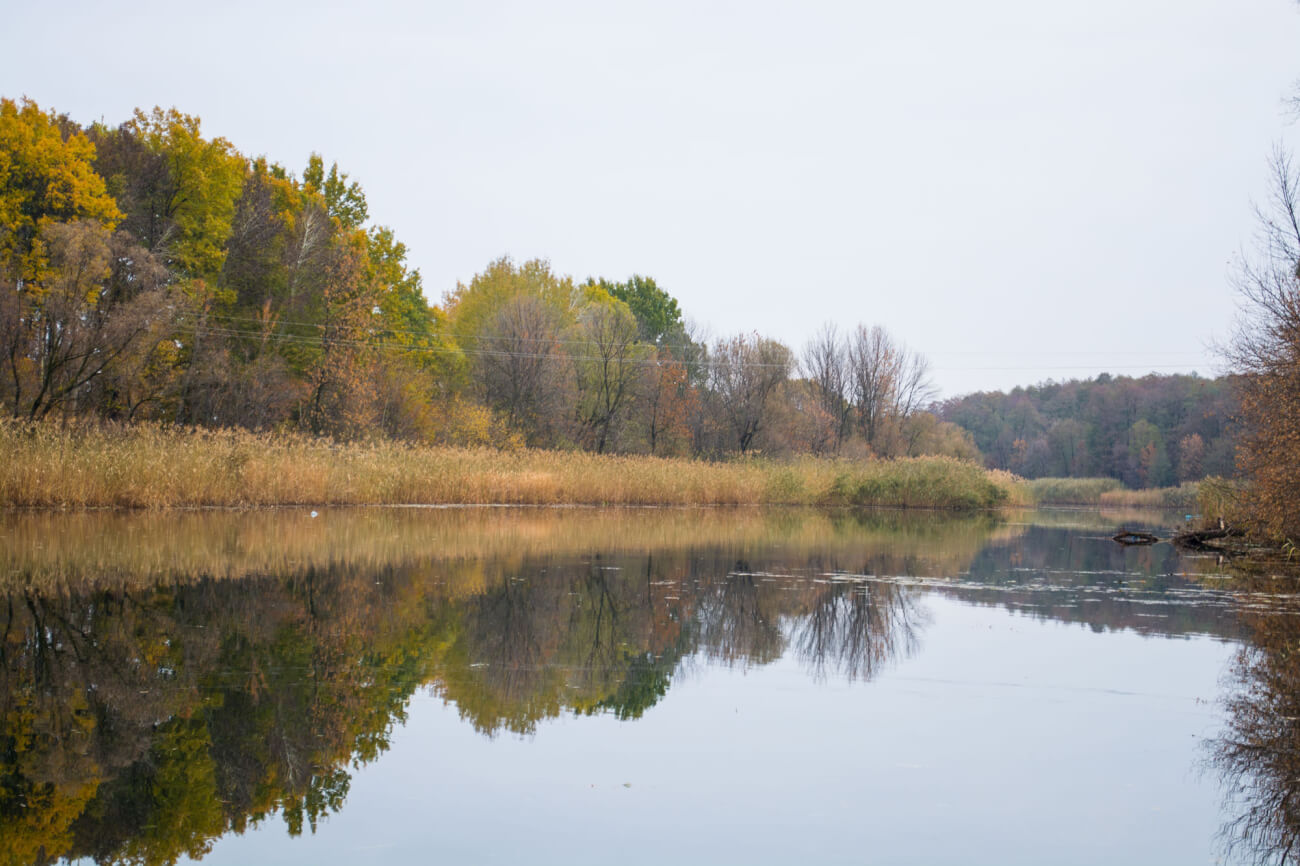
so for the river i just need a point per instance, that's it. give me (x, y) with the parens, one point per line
(574, 685)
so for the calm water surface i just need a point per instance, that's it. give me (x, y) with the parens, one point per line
(637, 686)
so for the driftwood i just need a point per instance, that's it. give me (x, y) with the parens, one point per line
(1204, 539)
(1127, 538)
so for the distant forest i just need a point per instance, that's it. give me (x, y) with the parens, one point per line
(150, 273)
(1149, 432)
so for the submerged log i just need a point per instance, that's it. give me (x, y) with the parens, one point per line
(1127, 538)
(1204, 539)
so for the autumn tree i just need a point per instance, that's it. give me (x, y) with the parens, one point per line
(1266, 351)
(1191, 457)
(58, 334)
(744, 373)
(825, 364)
(177, 188)
(45, 177)
(668, 401)
(889, 383)
(340, 401)
(521, 369)
(798, 422)
(516, 326)
(1082, 428)
(609, 367)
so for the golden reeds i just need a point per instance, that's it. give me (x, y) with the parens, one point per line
(1108, 493)
(1070, 491)
(1183, 497)
(151, 466)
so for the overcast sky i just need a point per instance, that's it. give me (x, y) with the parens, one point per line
(1020, 190)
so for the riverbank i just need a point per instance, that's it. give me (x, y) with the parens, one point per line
(148, 466)
(1109, 493)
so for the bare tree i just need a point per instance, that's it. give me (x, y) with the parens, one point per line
(607, 370)
(744, 371)
(889, 384)
(873, 375)
(666, 402)
(520, 369)
(60, 333)
(825, 363)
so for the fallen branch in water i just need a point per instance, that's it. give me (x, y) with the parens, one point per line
(1203, 540)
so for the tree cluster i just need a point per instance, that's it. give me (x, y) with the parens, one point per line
(150, 272)
(1149, 432)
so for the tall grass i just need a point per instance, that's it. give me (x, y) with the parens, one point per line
(1183, 496)
(1070, 491)
(1108, 492)
(146, 466)
(1223, 499)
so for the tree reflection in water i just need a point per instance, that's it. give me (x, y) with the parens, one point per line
(145, 712)
(856, 629)
(1258, 753)
(143, 724)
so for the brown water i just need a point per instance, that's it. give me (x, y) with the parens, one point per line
(634, 685)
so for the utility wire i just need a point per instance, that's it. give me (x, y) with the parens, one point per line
(320, 341)
(277, 322)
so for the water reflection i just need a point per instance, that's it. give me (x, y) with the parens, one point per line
(167, 680)
(1258, 752)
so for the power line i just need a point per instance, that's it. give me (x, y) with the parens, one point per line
(277, 322)
(320, 341)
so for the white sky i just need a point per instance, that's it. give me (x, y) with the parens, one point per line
(1021, 190)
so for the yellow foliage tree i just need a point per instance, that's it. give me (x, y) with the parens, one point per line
(45, 176)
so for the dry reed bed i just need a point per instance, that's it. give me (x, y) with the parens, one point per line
(1108, 493)
(149, 466)
(1071, 491)
(1184, 496)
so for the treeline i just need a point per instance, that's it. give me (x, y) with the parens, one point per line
(150, 273)
(1155, 431)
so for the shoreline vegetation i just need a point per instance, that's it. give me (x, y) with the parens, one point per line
(152, 275)
(1110, 493)
(150, 466)
(153, 466)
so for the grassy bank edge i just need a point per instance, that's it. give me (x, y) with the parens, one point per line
(151, 466)
(1109, 492)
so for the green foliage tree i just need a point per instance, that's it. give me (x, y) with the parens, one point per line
(179, 189)
(344, 201)
(657, 313)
